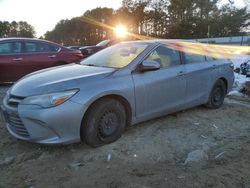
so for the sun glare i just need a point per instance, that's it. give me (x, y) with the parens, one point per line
(121, 31)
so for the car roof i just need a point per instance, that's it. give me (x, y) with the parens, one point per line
(27, 39)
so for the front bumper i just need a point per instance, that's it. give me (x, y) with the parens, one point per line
(57, 125)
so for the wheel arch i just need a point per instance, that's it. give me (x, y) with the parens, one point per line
(225, 82)
(118, 97)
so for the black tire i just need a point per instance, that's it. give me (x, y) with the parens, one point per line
(217, 95)
(104, 122)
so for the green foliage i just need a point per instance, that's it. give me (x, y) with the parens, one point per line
(16, 29)
(79, 32)
(155, 18)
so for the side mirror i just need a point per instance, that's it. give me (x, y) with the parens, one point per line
(149, 65)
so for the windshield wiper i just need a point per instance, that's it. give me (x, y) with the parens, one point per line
(92, 65)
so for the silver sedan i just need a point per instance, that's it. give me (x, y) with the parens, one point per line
(125, 84)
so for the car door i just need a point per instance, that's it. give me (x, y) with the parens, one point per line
(160, 91)
(10, 59)
(199, 75)
(37, 56)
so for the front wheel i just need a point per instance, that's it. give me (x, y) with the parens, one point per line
(104, 122)
(217, 95)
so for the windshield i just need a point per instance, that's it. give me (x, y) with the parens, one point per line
(116, 56)
(103, 43)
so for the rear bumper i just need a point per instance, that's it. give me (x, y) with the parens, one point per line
(58, 125)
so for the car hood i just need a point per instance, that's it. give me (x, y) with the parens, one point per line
(58, 79)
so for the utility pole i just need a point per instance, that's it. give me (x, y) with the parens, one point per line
(208, 33)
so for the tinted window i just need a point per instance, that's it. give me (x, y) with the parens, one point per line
(165, 56)
(10, 48)
(194, 58)
(43, 47)
(31, 47)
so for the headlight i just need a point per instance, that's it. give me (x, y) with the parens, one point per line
(51, 99)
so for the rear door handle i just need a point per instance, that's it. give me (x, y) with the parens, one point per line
(181, 73)
(214, 66)
(17, 59)
(51, 56)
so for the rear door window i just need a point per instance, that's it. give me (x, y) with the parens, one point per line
(30, 47)
(39, 47)
(10, 48)
(43, 47)
(194, 58)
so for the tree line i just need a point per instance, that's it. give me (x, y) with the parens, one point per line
(185, 19)
(16, 29)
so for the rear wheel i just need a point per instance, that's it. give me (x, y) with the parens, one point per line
(104, 122)
(217, 95)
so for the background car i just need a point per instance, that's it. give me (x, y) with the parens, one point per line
(21, 56)
(245, 68)
(90, 50)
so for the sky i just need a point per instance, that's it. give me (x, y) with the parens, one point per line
(44, 14)
(238, 3)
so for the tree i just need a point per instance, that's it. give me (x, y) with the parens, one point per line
(16, 29)
(4, 29)
(156, 18)
(191, 19)
(137, 9)
(83, 30)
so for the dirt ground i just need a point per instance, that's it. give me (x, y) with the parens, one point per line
(194, 148)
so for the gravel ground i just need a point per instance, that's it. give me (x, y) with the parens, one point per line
(194, 148)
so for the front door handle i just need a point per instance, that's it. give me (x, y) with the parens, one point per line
(17, 59)
(214, 66)
(51, 56)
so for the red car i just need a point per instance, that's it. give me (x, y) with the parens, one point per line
(21, 56)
